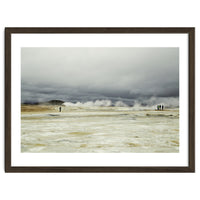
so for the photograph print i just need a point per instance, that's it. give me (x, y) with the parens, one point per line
(99, 99)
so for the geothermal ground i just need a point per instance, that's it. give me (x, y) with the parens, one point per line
(98, 129)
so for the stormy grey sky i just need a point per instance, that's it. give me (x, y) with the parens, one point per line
(81, 74)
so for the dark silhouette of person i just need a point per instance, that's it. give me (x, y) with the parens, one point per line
(60, 109)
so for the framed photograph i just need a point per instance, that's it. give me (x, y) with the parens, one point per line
(99, 99)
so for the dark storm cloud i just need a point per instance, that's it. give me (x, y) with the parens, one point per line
(92, 73)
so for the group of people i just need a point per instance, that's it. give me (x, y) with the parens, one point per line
(160, 107)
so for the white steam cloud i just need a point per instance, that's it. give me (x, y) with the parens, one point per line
(105, 103)
(139, 104)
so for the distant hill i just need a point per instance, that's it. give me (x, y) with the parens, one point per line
(51, 102)
(55, 102)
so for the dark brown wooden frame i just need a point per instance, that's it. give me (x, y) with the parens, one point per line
(191, 76)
